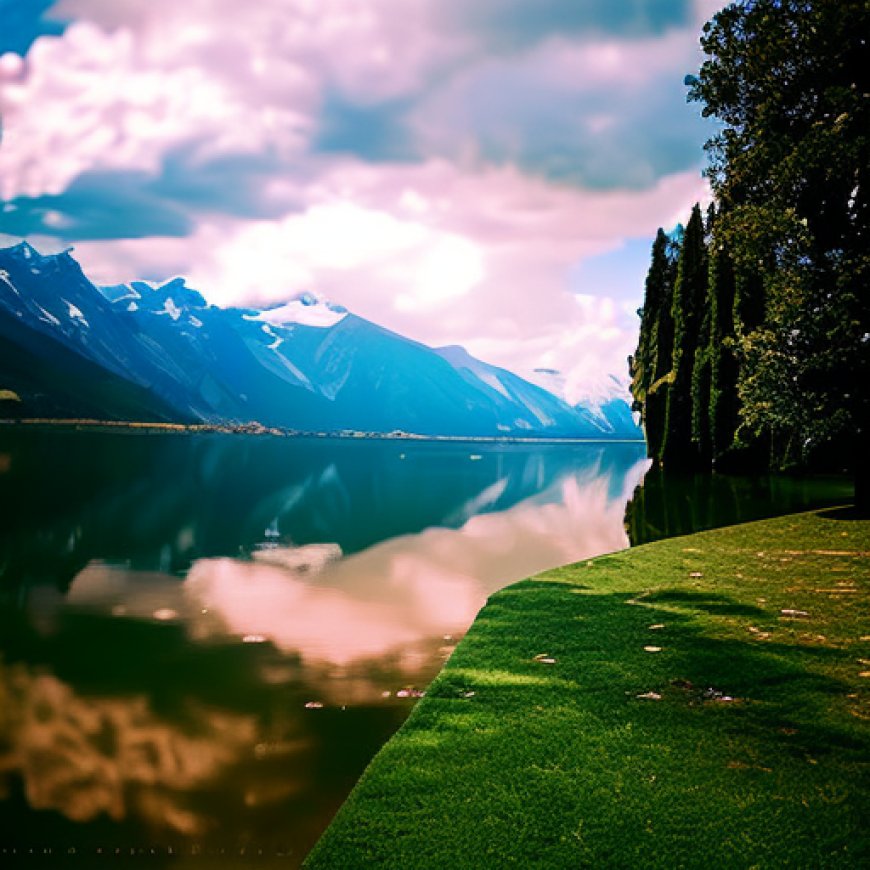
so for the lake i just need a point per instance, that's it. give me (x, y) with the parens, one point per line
(205, 638)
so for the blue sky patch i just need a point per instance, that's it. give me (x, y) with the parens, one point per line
(23, 21)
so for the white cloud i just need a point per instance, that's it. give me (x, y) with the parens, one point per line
(369, 49)
(100, 100)
(373, 260)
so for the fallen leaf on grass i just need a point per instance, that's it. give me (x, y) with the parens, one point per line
(711, 694)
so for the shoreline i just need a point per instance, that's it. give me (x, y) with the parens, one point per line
(702, 698)
(84, 424)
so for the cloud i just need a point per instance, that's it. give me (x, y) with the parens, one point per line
(594, 114)
(97, 101)
(407, 265)
(368, 50)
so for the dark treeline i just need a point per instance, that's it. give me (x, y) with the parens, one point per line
(754, 346)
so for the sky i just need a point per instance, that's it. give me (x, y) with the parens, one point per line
(489, 173)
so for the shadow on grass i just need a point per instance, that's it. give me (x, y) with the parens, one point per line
(849, 513)
(761, 691)
(706, 602)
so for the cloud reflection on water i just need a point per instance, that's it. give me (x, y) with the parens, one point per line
(393, 595)
(85, 756)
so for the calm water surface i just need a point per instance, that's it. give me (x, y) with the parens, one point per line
(204, 639)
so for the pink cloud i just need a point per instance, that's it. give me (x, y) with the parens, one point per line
(97, 100)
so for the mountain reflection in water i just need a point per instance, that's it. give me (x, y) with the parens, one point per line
(205, 639)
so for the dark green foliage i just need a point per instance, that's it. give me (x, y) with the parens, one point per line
(684, 374)
(690, 291)
(779, 358)
(790, 81)
(721, 399)
(702, 376)
(657, 298)
(652, 361)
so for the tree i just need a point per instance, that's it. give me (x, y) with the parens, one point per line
(651, 364)
(657, 302)
(690, 291)
(721, 399)
(789, 80)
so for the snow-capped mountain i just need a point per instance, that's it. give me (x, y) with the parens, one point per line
(143, 351)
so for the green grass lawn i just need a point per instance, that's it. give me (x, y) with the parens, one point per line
(696, 702)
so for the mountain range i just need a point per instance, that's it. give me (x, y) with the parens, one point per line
(161, 353)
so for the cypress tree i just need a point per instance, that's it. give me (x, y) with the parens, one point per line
(652, 361)
(723, 406)
(702, 376)
(690, 291)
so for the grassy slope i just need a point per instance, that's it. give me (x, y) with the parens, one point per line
(563, 765)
